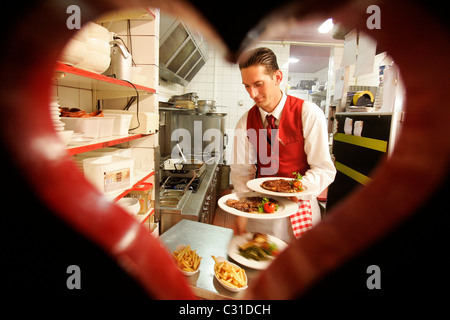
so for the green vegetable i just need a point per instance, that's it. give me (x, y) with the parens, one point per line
(297, 176)
(259, 253)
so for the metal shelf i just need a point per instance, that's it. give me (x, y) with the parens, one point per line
(103, 86)
(102, 143)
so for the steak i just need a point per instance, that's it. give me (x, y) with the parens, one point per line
(247, 204)
(278, 185)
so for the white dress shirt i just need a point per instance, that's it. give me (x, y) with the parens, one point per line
(320, 174)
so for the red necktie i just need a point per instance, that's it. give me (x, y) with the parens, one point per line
(270, 125)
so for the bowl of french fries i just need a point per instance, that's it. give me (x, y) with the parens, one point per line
(229, 275)
(186, 259)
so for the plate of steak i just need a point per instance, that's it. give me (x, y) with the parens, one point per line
(278, 186)
(257, 206)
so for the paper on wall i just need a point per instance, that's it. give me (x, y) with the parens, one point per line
(358, 128)
(389, 88)
(348, 125)
(349, 56)
(366, 55)
(339, 83)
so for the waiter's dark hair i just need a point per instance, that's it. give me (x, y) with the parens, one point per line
(260, 56)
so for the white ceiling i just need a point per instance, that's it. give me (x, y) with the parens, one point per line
(307, 44)
(312, 59)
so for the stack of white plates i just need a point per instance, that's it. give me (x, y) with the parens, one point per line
(89, 49)
(55, 114)
(97, 58)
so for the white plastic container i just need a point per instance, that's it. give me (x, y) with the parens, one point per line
(121, 123)
(94, 127)
(148, 121)
(89, 127)
(106, 126)
(79, 158)
(110, 174)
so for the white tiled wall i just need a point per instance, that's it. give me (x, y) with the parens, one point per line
(74, 98)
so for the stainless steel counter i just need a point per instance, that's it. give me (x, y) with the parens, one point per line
(207, 240)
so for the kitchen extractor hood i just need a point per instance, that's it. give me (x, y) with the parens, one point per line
(182, 52)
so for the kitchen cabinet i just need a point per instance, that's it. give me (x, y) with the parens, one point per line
(362, 141)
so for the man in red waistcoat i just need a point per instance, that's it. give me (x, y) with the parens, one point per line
(279, 135)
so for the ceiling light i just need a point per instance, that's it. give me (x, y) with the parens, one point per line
(293, 60)
(326, 26)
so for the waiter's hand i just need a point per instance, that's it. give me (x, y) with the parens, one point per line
(294, 199)
(240, 225)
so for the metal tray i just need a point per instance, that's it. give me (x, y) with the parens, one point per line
(188, 170)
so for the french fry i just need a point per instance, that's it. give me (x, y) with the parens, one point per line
(229, 274)
(187, 259)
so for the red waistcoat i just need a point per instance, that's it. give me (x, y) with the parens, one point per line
(286, 153)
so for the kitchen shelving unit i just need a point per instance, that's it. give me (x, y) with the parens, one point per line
(103, 87)
(73, 81)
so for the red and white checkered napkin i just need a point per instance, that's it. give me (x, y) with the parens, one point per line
(302, 220)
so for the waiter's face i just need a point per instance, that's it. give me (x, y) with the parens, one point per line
(263, 88)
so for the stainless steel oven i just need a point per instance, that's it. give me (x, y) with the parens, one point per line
(200, 135)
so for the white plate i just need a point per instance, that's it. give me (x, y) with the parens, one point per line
(236, 241)
(76, 140)
(255, 185)
(285, 207)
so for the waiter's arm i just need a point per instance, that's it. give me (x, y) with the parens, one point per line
(242, 167)
(243, 158)
(322, 170)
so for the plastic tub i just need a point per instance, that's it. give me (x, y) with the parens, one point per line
(121, 123)
(110, 174)
(94, 127)
(89, 127)
(106, 126)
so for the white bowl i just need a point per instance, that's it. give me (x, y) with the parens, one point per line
(187, 273)
(93, 27)
(81, 35)
(95, 62)
(233, 289)
(65, 136)
(74, 52)
(131, 205)
(108, 37)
